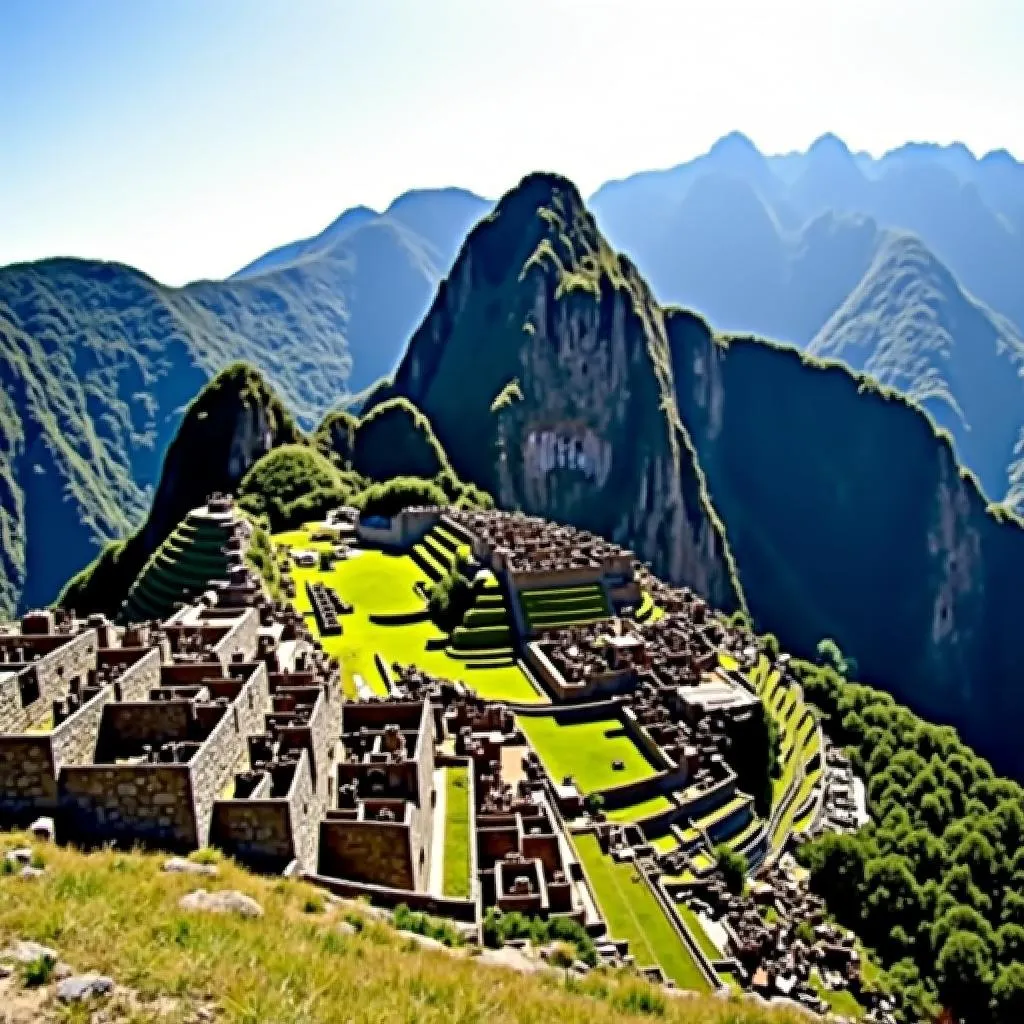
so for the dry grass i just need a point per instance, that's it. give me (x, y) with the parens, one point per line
(117, 913)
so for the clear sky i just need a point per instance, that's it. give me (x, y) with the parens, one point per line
(186, 137)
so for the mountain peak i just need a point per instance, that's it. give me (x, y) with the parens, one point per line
(733, 145)
(830, 145)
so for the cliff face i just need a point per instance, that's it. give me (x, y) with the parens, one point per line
(232, 423)
(849, 517)
(544, 368)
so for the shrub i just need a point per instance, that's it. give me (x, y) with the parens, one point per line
(733, 867)
(285, 476)
(407, 920)
(403, 492)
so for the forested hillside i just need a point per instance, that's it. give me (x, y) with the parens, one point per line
(97, 362)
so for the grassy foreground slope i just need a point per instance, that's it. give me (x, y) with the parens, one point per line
(118, 914)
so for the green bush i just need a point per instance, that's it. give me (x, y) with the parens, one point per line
(733, 867)
(283, 477)
(407, 920)
(500, 928)
(390, 498)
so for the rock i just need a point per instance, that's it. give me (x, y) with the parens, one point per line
(22, 855)
(226, 901)
(5, 971)
(423, 940)
(346, 928)
(510, 958)
(25, 952)
(80, 987)
(43, 829)
(30, 872)
(62, 971)
(179, 865)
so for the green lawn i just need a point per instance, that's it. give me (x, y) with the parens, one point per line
(692, 921)
(456, 833)
(633, 913)
(376, 583)
(666, 843)
(637, 812)
(586, 750)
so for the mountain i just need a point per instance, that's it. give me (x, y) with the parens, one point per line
(543, 367)
(910, 325)
(849, 517)
(808, 258)
(228, 427)
(97, 362)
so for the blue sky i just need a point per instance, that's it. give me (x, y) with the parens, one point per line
(186, 137)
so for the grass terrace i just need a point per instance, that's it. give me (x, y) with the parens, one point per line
(586, 751)
(564, 606)
(389, 617)
(637, 812)
(456, 833)
(633, 913)
(696, 929)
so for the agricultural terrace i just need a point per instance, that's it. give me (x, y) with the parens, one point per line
(389, 618)
(800, 742)
(635, 914)
(587, 751)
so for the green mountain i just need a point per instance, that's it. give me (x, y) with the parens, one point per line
(849, 517)
(97, 362)
(231, 424)
(544, 369)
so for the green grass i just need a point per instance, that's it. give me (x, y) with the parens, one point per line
(456, 833)
(117, 913)
(378, 583)
(637, 812)
(633, 913)
(586, 750)
(692, 922)
(665, 843)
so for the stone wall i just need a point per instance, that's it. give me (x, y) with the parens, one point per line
(598, 687)
(241, 639)
(26, 699)
(379, 852)
(423, 815)
(127, 727)
(225, 747)
(28, 781)
(149, 803)
(141, 673)
(268, 834)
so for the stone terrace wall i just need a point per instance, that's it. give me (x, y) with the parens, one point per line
(141, 674)
(28, 781)
(607, 684)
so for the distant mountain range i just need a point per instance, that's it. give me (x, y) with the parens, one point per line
(908, 267)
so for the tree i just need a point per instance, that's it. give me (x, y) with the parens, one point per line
(594, 803)
(829, 654)
(733, 867)
(963, 972)
(1010, 943)
(1008, 994)
(403, 492)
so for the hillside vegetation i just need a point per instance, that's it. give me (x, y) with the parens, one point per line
(305, 959)
(850, 518)
(98, 362)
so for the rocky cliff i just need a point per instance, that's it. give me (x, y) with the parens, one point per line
(235, 420)
(849, 517)
(544, 368)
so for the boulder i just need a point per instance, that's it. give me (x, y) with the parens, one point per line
(30, 872)
(80, 987)
(27, 952)
(43, 829)
(22, 855)
(179, 865)
(226, 901)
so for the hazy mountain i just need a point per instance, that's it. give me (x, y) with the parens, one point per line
(910, 325)
(783, 256)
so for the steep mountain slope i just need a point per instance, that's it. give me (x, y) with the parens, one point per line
(233, 421)
(849, 517)
(910, 325)
(97, 362)
(544, 369)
